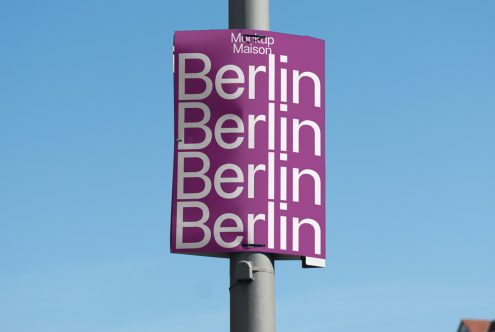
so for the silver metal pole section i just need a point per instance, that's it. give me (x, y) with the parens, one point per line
(252, 274)
(249, 14)
(252, 292)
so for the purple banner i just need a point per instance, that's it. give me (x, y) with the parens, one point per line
(249, 157)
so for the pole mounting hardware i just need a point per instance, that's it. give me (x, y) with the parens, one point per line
(245, 270)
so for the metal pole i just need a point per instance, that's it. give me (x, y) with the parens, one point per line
(252, 292)
(249, 14)
(252, 274)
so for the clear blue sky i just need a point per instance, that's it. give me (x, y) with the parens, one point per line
(86, 159)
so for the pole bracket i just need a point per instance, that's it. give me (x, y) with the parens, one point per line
(245, 270)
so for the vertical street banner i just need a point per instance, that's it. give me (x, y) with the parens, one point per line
(249, 156)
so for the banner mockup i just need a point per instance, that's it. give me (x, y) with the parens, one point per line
(249, 156)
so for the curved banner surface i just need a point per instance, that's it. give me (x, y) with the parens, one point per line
(249, 163)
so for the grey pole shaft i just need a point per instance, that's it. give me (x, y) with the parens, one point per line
(252, 294)
(252, 274)
(249, 14)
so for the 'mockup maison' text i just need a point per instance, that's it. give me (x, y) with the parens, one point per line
(251, 44)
